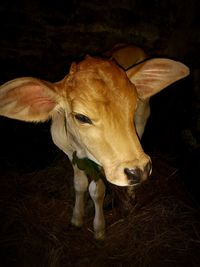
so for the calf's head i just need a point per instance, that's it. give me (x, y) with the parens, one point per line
(99, 102)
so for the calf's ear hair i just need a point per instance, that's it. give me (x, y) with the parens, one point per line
(27, 99)
(153, 75)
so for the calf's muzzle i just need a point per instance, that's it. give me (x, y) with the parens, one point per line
(136, 175)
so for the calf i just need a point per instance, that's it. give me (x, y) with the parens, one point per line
(92, 112)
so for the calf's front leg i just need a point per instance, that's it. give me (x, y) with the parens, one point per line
(80, 186)
(97, 192)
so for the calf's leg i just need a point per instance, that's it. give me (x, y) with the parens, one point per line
(97, 193)
(80, 186)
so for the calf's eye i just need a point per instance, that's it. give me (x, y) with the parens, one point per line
(82, 118)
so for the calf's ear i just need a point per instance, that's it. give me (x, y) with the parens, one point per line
(153, 75)
(27, 99)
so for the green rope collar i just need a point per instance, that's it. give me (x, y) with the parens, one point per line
(91, 169)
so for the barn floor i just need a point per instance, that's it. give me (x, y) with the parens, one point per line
(160, 226)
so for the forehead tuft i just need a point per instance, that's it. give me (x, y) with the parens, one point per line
(98, 70)
(97, 65)
(101, 79)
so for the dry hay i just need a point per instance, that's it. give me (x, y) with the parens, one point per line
(158, 227)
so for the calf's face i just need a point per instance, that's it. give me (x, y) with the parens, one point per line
(98, 101)
(102, 102)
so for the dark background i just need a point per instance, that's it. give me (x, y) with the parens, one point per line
(41, 39)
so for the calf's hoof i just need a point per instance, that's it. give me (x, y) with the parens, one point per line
(76, 221)
(99, 235)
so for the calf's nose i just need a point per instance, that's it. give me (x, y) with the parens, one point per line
(135, 175)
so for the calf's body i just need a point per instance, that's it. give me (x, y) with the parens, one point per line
(92, 111)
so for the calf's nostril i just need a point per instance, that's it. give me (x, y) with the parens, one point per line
(133, 175)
